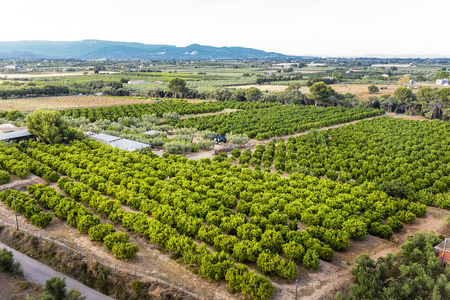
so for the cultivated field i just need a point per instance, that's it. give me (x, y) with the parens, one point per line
(65, 102)
(360, 90)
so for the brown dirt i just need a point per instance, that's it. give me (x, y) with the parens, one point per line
(65, 102)
(407, 117)
(17, 289)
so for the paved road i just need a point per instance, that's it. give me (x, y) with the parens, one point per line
(37, 272)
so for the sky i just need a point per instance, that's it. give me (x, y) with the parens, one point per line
(303, 27)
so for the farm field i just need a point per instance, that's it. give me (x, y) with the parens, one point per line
(275, 121)
(178, 208)
(360, 90)
(66, 102)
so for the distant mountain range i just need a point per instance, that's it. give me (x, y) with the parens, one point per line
(97, 49)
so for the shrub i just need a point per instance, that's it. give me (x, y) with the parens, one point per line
(113, 238)
(41, 219)
(311, 260)
(98, 232)
(238, 138)
(125, 250)
(4, 177)
(205, 144)
(56, 287)
(7, 263)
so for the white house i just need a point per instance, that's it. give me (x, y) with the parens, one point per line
(442, 81)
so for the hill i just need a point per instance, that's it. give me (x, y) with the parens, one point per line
(97, 49)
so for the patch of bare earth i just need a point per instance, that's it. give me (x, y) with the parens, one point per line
(66, 102)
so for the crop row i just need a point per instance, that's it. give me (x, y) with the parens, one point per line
(409, 159)
(276, 121)
(113, 113)
(77, 215)
(205, 191)
(20, 202)
(213, 265)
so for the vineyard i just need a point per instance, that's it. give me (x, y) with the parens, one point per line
(240, 216)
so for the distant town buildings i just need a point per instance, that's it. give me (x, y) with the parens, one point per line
(393, 65)
(314, 64)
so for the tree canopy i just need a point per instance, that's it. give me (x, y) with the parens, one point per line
(49, 127)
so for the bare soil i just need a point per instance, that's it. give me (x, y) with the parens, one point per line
(65, 102)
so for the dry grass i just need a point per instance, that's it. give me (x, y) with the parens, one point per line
(360, 90)
(65, 102)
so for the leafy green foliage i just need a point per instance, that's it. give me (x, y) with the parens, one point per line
(412, 273)
(4, 177)
(311, 260)
(7, 263)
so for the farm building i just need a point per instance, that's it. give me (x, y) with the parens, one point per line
(442, 81)
(16, 136)
(137, 81)
(443, 250)
(7, 128)
(152, 132)
(128, 145)
(104, 138)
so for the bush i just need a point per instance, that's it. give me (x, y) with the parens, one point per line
(238, 138)
(311, 260)
(125, 250)
(4, 177)
(171, 115)
(394, 188)
(41, 219)
(98, 232)
(236, 152)
(56, 287)
(113, 238)
(206, 135)
(205, 144)
(7, 263)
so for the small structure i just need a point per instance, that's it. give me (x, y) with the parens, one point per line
(128, 145)
(442, 81)
(104, 138)
(7, 128)
(385, 75)
(443, 250)
(411, 81)
(16, 136)
(137, 81)
(152, 132)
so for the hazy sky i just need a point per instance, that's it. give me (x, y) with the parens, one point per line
(302, 27)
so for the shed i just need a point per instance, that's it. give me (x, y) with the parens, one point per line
(15, 136)
(128, 145)
(7, 128)
(104, 138)
(152, 132)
